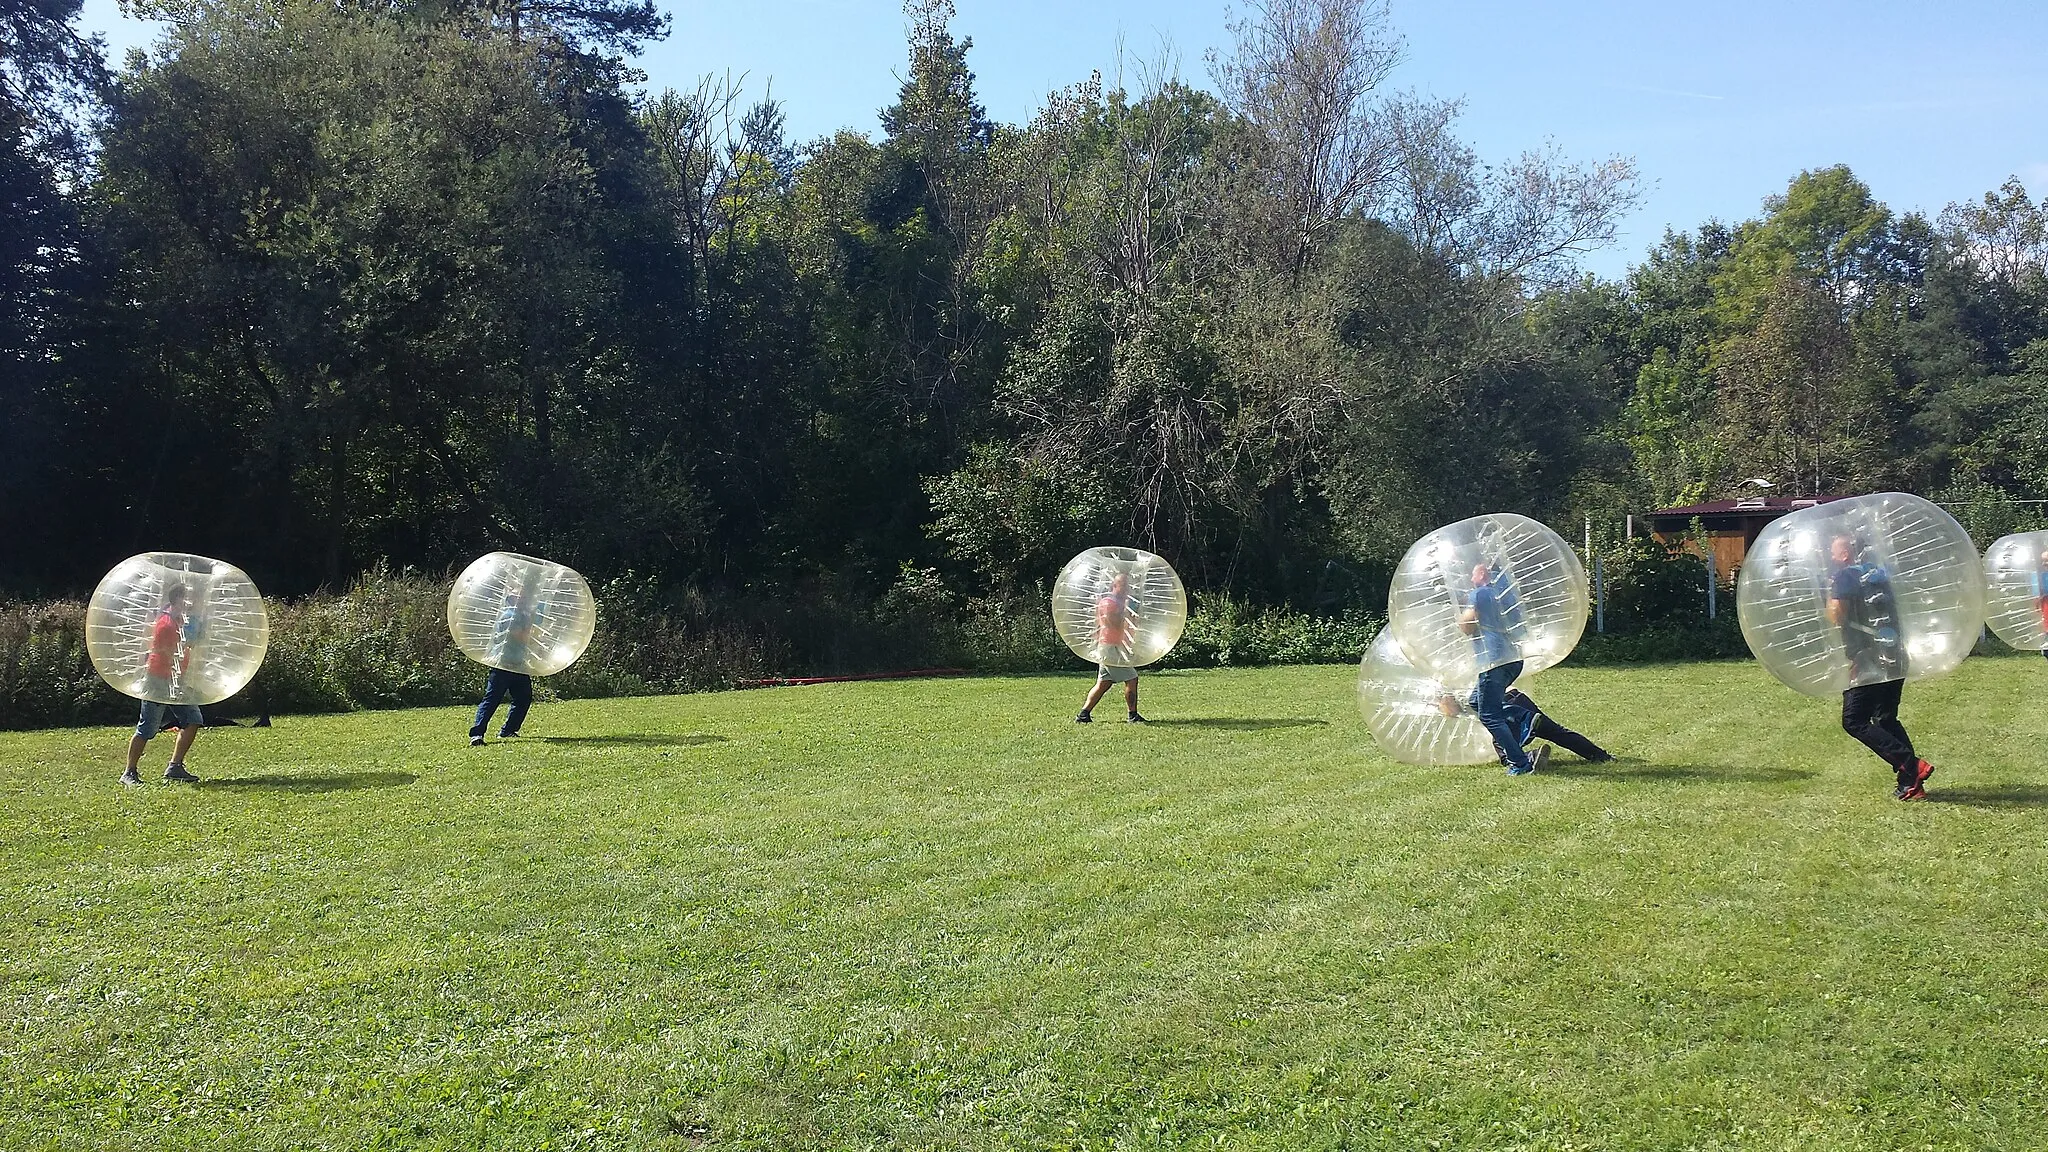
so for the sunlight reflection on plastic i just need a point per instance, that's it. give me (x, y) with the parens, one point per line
(1122, 607)
(1535, 577)
(1415, 718)
(2016, 590)
(176, 628)
(1907, 577)
(521, 614)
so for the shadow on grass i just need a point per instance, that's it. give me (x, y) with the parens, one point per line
(2012, 796)
(1629, 768)
(1237, 724)
(338, 782)
(632, 739)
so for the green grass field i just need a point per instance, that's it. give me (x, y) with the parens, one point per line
(941, 915)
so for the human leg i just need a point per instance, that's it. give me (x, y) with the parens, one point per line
(1864, 709)
(1489, 699)
(1913, 770)
(1106, 675)
(521, 689)
(1095, 695)
(146, 726)
(1131, 698)
(189, 720)
(494, 692)
(1570, 741)
(1888, 716)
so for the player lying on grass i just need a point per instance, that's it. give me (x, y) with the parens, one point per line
(1529, 723)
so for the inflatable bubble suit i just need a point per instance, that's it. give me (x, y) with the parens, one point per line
(521, 614)
(1119, 606)
(1416, 718)
(2016, 590)
(1531, 576)
(176, 629)
(1906, 575)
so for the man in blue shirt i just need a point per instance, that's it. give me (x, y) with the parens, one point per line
(1493, 618)
(1862, 605)
(510, 645)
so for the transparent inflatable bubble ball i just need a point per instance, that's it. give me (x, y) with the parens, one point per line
(1485, 592)
(1416, 718)
(176, 628)
(1122, 607)
(521, 614)
(2016, 590)
(1861, 591)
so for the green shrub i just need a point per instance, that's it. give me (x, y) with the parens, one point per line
(382, 644)
(1223, 632)
(1718, 639)
(1651, 586)
(1014, 634)
(46, 679)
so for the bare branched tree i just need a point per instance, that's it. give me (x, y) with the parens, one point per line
(720, 165)
(1523, 223)
(1541, 211)
(1307, 74)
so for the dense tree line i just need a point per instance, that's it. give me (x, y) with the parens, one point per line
(320, 286)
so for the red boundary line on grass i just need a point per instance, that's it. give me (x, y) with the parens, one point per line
(799, 681)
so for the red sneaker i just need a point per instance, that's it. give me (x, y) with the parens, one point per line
(1911, 781)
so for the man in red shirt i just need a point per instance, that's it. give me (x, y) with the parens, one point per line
(1112, 645)
(2041, 592)
(169, 654)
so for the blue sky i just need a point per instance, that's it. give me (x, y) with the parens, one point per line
(1719, 104)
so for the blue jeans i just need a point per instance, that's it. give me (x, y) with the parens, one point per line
(500, 684)
(1489, 699)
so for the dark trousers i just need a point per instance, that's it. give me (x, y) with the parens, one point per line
(500, 684)
(1565, 738)
(1489, 700)
(1871, 714)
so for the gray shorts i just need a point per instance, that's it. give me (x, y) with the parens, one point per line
(1114, 674)
(154, 716)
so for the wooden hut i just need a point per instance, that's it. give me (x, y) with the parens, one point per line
(1731, 526)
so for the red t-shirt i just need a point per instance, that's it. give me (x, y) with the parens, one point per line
(1112, 627)
(163, 645)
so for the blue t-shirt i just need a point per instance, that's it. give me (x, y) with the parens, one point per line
(2041, 584)
(1498, 612)
(1870, 619)
(511, 633)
